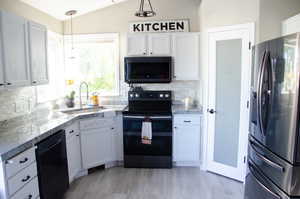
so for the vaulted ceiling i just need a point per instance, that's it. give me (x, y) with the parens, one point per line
(58, 8)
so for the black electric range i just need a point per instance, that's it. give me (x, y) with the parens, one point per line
(154, 106)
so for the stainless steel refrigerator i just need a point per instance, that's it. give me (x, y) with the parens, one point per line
(274, 141)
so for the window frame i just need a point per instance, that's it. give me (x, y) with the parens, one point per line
(98, 37)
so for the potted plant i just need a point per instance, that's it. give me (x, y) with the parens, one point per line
(69, 100)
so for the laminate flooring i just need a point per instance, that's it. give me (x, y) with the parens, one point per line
(176, 183)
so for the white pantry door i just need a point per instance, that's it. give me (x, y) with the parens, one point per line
(228, 99)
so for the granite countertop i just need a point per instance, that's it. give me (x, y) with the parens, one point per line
(180, 109)
(20, 134)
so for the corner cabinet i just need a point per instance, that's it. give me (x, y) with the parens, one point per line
(24, 52)
(186, 139)
(38, 53)
(183, 47)
(15, 50)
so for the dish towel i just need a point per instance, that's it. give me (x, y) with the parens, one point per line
(147, 132)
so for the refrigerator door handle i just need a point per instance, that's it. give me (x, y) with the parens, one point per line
(259, 93)
(266, 160)
(261, 184)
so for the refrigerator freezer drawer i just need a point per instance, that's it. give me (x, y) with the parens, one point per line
(260, 187)
(279, 171)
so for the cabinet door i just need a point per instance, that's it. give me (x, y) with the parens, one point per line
(160, 44)
(38, 53)
(186, 56)
(15, 50)
(1, 66)
(95, 147)
(117, 139)
(137, 45)
(74, 156)
(186, 143)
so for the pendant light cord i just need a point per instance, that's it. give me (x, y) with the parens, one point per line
(150, 5)
(72, 36)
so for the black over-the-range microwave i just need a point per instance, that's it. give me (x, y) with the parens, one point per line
(148, 69)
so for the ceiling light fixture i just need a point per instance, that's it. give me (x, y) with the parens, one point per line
(145, 13)
(71, 13)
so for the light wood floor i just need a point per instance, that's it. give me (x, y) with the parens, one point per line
(177, 183)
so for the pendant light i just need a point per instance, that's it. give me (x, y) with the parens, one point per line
(71, 13)
(145, 13)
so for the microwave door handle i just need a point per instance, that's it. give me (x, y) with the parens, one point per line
(134, 117)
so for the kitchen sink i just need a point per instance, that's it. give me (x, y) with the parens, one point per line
(83, 110)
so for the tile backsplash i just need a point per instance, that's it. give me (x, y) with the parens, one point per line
(16, 102)
(21, 101)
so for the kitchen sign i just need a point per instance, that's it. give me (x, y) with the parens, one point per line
(159, 26)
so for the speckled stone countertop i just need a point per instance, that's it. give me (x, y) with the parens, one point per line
(180, 109)
(22, 133)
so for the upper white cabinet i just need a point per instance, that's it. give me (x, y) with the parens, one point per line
(183, 47)
(38, 53)
(137, 45)
(186, 56)
(291, 25)
(15, 50)
(24, 52)
(160, 44)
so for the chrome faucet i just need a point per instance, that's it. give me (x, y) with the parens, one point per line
(87, 92)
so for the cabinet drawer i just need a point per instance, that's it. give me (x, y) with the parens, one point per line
(22, 178)
(95, 123)
(187, 119)
(29, 191)
(17, 163)
(71, 130)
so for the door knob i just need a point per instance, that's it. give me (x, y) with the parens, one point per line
(211, 111)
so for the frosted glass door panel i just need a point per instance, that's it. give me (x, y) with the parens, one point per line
(228, 96)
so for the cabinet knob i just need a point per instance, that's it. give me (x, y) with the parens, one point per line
(1, 84)
(8, 84)
(29, 196)
(151, 53)
(34, 82)
(175, 127)
(144, 53)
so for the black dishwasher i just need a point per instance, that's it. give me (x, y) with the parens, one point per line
(52, 166)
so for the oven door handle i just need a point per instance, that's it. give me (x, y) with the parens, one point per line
(151, 117)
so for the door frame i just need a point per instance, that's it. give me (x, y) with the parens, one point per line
(250, 27)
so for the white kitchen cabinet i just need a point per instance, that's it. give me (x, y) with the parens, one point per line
(15, 50)
(137, 45)
(74, 156)
(160, 44)
(38, 53)
(95, 147)
(186, 56)
(1, 67)
(291, 25)
(117, 139)
(186, 139)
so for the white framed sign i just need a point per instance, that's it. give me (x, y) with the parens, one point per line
(160, 26)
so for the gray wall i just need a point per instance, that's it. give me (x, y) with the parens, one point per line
(271, 15)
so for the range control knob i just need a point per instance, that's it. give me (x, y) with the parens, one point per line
(137, 95)
(167, 95)
(161, 95)
(131, 95)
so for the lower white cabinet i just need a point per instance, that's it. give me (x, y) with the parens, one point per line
(117, 139)
(74, 156)
(18, 176)
(186, 143)
(96, 147)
